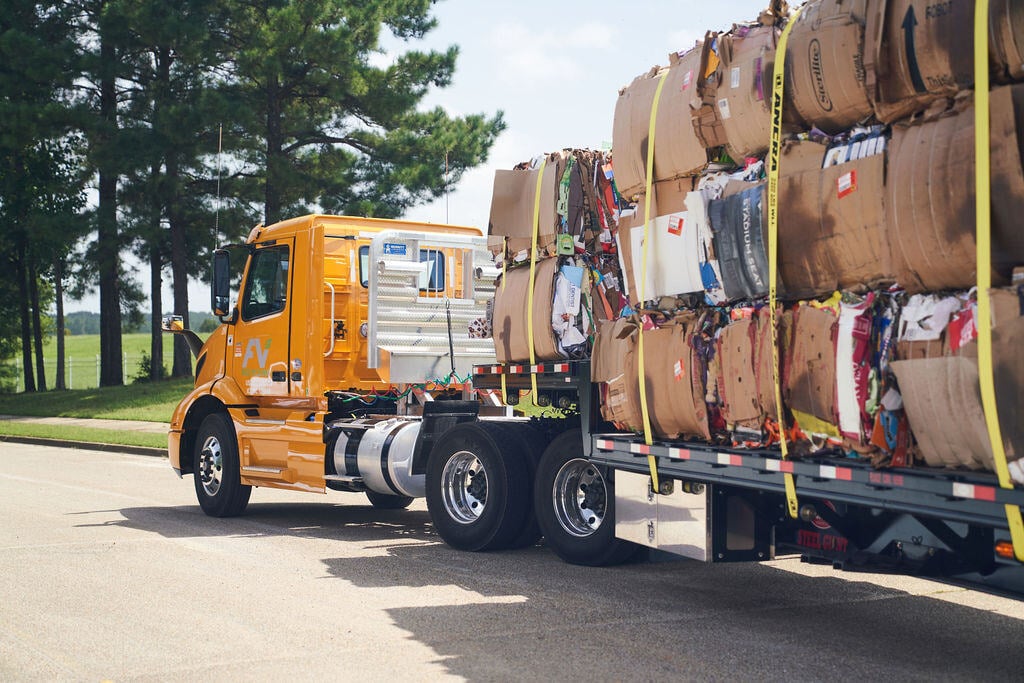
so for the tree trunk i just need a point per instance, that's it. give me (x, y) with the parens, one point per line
(182, 366)
(26, 329)
(156, 346)
(37, 326)
(108, 242)
(58, 294)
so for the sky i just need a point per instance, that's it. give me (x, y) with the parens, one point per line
(554, 68)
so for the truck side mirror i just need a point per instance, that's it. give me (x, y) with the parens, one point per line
(220, 289)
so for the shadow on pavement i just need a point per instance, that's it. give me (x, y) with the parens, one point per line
(533, 616)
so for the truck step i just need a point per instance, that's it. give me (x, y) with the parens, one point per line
(344, 478)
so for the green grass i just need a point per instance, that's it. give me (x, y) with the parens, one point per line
(151, 401)
(81, 364)
(85, 434)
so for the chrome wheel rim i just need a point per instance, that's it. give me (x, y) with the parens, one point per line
(579, 497)
(464, 487)
(211, 465)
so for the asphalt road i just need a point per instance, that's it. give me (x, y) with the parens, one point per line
(108, 570)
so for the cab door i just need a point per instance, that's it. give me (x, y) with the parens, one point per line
(261, 339)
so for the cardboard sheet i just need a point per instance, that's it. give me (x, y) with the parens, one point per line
(512, 204)
(673, 266)
(809, 383)
(737, 385)
(825, 78)
(614, 350)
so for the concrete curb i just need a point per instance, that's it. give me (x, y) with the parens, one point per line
(85, 445)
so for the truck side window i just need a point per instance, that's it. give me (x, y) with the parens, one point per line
(267, 289)
(431, 281)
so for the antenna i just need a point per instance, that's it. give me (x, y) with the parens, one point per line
(216, 215)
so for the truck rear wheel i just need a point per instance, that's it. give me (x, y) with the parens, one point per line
(478, 487)
(384, 501)
(216, 470)
(575, 504)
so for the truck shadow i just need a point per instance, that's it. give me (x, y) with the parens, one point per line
(526, 615)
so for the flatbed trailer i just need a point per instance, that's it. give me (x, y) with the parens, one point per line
(934, 522)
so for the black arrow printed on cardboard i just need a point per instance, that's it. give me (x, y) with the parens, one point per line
(909, 24)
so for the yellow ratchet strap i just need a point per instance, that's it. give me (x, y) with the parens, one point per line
(983, 239)
(652, 462)
(778, 88)
(504, 281)
(533, 277)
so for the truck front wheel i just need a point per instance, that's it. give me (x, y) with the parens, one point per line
(478, 487)
(575, 505)
(216, 470)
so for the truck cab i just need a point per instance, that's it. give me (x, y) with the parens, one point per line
(335, 317)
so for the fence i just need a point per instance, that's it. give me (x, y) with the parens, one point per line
(83, 373)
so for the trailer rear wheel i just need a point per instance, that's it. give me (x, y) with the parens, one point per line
(216, 470)
(384, 501)
(478, 487)
(575, 505)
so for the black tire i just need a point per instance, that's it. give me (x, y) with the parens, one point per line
(478, 487)
(384, 501)
(575, 506)
(215, 465)
(533, 445)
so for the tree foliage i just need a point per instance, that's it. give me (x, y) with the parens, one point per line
(132, 95)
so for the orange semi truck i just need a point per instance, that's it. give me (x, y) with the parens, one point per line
(343, 365)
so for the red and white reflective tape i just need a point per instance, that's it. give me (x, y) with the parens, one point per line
(832, 472)
(560, 367)
(974, 492)
(605, 444)
(730, 459)
(780, 465)
(679, 453)
(639, 449)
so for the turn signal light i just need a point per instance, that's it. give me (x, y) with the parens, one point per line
(1004, 549)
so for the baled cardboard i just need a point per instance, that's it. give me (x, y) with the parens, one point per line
(744, 92)
(832, 231)
(511, 331)
(929, 197)
(922, 50)
(825, 78)
(923, 53)
(943, 401)
(1006, 39)
(675, 387)
(677, 150)
(763, 359)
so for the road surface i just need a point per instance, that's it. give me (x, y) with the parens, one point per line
(108, 570)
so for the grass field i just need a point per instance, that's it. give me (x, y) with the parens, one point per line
(82, 358)
(151, 401)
